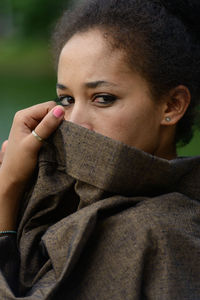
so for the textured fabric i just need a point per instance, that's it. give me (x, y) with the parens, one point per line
(105, 221)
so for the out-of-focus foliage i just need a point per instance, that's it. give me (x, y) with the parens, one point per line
(27, 75)
(38, 15)
(29, 18)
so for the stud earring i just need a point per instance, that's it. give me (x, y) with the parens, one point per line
(167, 119)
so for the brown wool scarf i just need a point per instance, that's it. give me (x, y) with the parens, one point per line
(104, 221)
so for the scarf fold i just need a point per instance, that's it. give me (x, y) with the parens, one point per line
(91, 224)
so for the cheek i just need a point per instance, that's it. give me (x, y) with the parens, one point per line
(67, 114)
(132, 127)
(118, 125)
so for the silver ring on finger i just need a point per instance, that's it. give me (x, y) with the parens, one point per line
(37, 136)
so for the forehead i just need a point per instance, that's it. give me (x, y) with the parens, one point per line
(92, 53)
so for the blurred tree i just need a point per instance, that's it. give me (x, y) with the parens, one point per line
(35, 17)
(26, 70)
(30, 18)
(6, 18)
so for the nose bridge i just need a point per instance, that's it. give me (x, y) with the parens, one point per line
(80, 114)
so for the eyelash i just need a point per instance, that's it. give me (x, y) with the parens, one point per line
(108, 99)
(60, 100)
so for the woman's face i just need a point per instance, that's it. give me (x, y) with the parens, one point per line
(101, 93)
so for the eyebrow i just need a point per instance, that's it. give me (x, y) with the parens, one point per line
(95, 84)
(61, 86)
(90, 85)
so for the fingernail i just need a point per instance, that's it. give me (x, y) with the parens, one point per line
(58, 112)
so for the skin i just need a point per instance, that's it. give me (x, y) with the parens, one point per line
(106, 96)
(99, 92)
(20, 157)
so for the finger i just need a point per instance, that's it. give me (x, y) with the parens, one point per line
(33, 115)
(49, 123)
(38, 111)
(4, 145)
(3, 149)
(1, 157)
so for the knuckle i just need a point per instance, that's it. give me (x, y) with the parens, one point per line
(19, 115)
(51, 104)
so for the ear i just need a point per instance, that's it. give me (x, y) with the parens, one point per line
(176, 105)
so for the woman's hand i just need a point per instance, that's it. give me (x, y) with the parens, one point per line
(20, 157)
(22, 148)
(2, 151)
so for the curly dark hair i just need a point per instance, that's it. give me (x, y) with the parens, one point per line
(161, 40)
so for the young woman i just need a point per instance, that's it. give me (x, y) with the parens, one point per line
(109, 212)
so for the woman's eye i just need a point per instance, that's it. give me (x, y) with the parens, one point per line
(105, 99)
(65, 100)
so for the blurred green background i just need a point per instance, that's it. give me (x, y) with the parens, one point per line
(27, 75)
